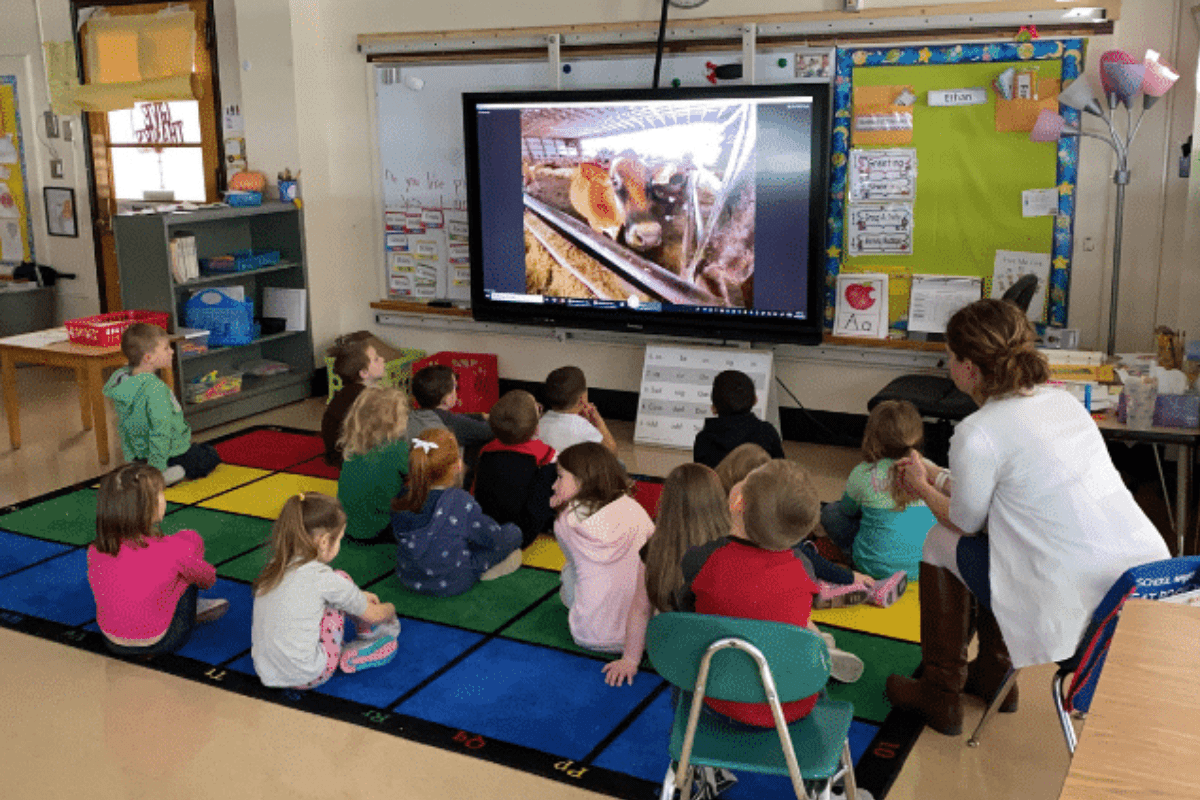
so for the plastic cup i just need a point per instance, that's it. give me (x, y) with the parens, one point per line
(1140, 397)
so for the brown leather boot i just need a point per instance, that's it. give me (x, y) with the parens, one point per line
(945, 631)
(991, 666)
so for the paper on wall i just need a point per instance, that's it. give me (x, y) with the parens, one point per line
(1039, 202)
(8, 205)
(877, 175)
(8, 150)
(934, 299)
(862, 306)
(11, 247)
(879, 229)
(1011, 266)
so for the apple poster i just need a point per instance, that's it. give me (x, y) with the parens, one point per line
(862, 306)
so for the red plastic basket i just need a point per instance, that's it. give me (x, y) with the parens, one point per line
(478, 378)
(104, 330)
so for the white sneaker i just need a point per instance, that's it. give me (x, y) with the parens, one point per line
(173, 475)
(846, 667)
(209, 609)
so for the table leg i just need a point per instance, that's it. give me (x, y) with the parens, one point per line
(1183, 494)
(85, 398)
(8, 376)
(99, 413)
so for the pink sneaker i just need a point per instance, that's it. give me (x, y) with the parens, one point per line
(367, 653)
(837, 595)
(888, 591)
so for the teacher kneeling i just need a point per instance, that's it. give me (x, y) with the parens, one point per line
(1031, 465)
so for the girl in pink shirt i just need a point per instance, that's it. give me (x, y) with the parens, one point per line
(601, 528)
(145, 583)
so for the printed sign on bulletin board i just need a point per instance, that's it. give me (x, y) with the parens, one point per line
(676, 393)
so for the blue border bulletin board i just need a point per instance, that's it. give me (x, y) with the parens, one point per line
(969, 174)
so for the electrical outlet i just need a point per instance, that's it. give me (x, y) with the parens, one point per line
(51, 120)
(67, 133)
(56, 168)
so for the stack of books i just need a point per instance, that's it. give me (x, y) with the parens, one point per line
(185, 266)
(1084, 374)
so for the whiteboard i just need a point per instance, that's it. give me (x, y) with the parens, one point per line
(420, 151)
(676, 391)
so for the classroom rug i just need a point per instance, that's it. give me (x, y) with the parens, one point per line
(492, 673)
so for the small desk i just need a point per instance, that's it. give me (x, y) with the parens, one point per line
(1141, 737)
(1187, 440)
(89, 364)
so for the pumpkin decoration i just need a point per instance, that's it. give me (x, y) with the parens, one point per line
(248, 182)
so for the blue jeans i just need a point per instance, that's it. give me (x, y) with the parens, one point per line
(197, 462)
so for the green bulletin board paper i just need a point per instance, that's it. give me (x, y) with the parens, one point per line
(969, 177)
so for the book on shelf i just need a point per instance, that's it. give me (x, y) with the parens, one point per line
(185, 266)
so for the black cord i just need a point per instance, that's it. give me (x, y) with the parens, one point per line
(662, 36)
(839, 439)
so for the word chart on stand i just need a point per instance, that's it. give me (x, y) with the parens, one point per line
(677, 386)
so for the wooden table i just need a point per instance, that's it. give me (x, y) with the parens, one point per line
(1142, 734)
(89, 364)
(1187, 440)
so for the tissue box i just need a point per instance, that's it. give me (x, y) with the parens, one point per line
(1171, 410)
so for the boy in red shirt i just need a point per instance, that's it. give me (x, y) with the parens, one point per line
(759, 572)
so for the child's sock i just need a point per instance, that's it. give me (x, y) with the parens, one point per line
(506, 567)
(389, 628)
(209, 609)
(173, 475)
(838, 595)
(367, 653)
(886, 592)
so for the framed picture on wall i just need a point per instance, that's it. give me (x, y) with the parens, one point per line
(60, 211)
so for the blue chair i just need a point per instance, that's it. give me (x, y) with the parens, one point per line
(1152, 581)
(749, 661)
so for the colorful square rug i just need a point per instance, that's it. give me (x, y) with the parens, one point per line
(492, 673)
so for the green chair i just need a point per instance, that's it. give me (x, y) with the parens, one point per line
(749, 661)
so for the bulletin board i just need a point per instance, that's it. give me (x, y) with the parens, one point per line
(971, 172)
(16, 235)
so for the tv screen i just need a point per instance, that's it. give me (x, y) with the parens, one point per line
(695, 212)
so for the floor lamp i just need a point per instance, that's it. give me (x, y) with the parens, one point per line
(1122, 78)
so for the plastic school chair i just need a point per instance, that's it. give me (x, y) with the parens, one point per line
(749, 661)
(1153, 581)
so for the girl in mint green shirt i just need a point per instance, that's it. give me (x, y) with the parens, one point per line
(877, 522)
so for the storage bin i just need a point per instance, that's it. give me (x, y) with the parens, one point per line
(194, 343)
(228, 321)
(240, 261)
(1171, 410)
(478, 378)
(242, 199)
(213, 386)
(105, 330)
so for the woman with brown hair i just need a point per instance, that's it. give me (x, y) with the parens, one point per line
(1061, 526)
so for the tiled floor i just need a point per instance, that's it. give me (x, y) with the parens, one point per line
(82, 725)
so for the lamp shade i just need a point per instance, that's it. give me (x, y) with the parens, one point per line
(1159, 76)
(1112, 57)
(1048, 127)
(1080, 96)
(1124, 80)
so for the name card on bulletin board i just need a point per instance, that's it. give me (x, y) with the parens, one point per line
(975, 96)
(676, 393)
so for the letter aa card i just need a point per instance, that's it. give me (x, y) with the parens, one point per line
(862, 306)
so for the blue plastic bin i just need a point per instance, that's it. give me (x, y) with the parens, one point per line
(228, 321)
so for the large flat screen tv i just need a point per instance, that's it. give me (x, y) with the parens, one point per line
(696, 212)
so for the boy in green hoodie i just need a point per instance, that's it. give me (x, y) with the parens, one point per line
(150, 419)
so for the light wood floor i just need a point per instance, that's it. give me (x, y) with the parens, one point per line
(78, 725)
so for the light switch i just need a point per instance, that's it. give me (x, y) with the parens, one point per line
(56, 168)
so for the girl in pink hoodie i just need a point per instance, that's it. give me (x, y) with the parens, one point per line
(601, 528)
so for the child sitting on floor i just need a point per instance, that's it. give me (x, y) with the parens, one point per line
(839, 585)
(435, 391)
(757, 573)
(145, 583)
(877, 521)
(733, 399)
(359, 366)
(515, 475)
(301, 603)
(446, 543)
(149, 417)
(601, 530)
(376, 461)
(570, 418)
(693, 510)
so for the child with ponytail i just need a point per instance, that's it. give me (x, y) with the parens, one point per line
(446, 544)
(301, 603)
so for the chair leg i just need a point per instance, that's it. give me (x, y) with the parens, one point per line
(850, 782)
(994, 706)
(1064, 719)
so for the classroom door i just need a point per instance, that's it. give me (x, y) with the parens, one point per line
(155, 146)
